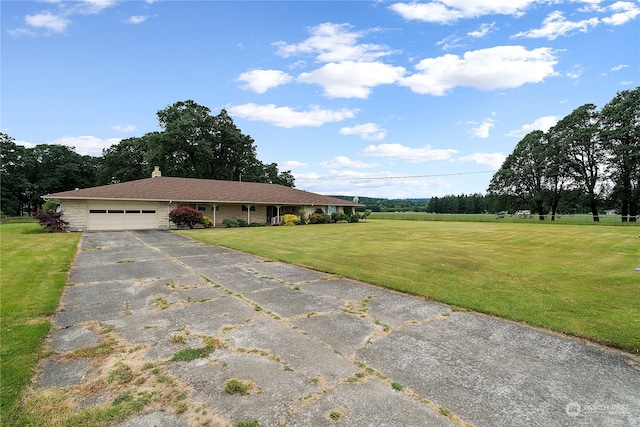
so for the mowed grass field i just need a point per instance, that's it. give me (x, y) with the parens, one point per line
(33, 272)
(575, 279)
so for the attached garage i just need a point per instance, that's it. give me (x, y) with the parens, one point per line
(122, 216)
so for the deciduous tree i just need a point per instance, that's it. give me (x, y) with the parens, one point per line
(620, 133)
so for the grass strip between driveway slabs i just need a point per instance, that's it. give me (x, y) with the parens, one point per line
(34, 268)
(575, 279)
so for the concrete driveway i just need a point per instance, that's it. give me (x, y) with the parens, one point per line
(310, 349)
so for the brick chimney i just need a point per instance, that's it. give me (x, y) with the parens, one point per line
(156, 172)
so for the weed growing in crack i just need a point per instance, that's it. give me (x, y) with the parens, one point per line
(247, 423)
(396, 386)
(161, 302)
(178, 339)
(97, 351)
(181, 407)
(122, 374)
(235, 386)
(189, 354)
(445, 412)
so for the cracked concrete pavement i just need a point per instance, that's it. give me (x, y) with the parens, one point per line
(313, 349)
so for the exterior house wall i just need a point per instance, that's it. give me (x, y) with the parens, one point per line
(163, 215)
(223, 212)
(75, 213)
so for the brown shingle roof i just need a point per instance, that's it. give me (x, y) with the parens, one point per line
(201, 190)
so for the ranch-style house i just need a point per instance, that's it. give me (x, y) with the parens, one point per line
(146, 203)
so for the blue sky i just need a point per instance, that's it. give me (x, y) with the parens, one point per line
(369, 98)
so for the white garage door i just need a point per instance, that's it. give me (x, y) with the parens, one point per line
(122, 216)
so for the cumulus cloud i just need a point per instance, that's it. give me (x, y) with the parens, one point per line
(123, 128)
(482, 131)
(555, 25)
(293, 164)
(624, 11)
(90, 7)
(352, 79)
(58, 22)
(412, 155)
(137, 19)
(492, 160)
(486, 69)
(482, 31)
(86, 145)
(368, 131)
(543, 123)
(260, 81)
(47, 21)
(345, 162)
(287, 117)
(449, 11)
(334, 43)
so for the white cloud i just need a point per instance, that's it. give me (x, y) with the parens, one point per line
(619, 67)
(137, 19)
(368, 131)
(352, 79)
(58, 22)
(576, 72)
(123, 128)
(90, 145)
(483, 30)
(345, 162)
(451, 42)
(293, 164)
(494, 68)
(482, 131)
(555, 25)
(449, 11)
(387, 184)
(543, 123)
(287, 117)
(624, 12)
(91, 7)
(334, 43)
(48, 21)
(259, 81)
(412, 155)
(493, 160)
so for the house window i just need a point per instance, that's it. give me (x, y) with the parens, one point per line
(252, 208)
(132, 211)
(116, 211)
(97, 211)
(201, 208)
(148, 211)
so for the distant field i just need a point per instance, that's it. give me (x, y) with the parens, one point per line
(575, 279)
(560, 219)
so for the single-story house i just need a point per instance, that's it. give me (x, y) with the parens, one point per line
(146, 203)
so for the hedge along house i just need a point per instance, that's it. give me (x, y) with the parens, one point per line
(146, 203)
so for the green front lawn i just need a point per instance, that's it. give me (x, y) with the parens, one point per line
(34, 269)
(576, 279)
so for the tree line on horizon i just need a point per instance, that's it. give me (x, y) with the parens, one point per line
(192, 143)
